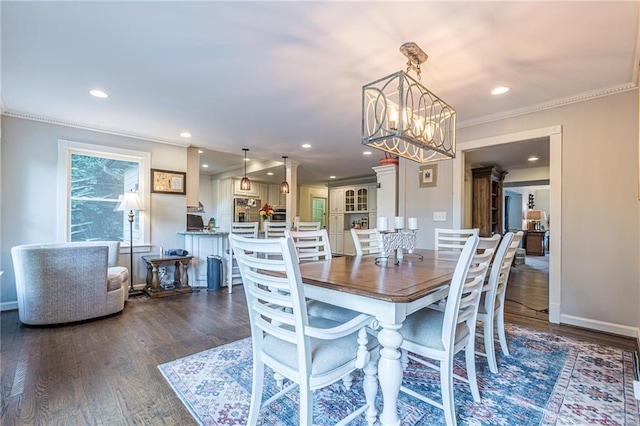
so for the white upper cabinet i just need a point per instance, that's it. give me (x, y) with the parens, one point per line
(336, 200)
(275, 198)
(254, 192)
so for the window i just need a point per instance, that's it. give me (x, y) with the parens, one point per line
(92, 178)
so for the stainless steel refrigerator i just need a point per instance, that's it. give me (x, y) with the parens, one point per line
(246, 209)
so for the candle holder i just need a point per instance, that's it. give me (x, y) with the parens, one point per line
(397, 241)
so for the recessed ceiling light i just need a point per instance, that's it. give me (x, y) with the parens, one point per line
(367, 153)
(200, 151)
(332, 177)
(185, 134)
(205, 166)
(306, 145)
(98, 93)
(533, 158)
(269, 173)
(500, 90)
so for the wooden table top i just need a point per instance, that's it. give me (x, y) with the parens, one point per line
(405, 283)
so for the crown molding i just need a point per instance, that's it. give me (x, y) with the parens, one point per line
(83, 126)
(580, 97)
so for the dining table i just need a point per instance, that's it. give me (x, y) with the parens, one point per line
(387, 290)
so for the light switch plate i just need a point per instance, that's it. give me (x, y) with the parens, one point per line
(439, 216)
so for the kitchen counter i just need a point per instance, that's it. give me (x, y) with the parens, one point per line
(226, 234)
(201, 244)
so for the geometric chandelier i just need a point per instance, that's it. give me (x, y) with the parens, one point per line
(402, 117)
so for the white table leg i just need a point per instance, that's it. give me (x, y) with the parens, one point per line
(390, 372)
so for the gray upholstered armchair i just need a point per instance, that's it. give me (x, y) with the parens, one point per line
(66, 282)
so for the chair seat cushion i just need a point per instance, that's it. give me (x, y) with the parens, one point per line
(425, 328)
(116, 276)
(326, 355)
(332, 312)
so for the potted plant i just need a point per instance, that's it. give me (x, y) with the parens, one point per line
(388, 159)
(266, 212)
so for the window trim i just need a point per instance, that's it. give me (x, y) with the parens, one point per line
(66, 149)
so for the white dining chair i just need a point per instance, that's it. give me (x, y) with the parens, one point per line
(366, 241)
(311, 245)
(452, 239)
(495, 304)
(439, 335)
(247, 230)
(309, 352)
(275, 229)
(307, 226)
(488, 310)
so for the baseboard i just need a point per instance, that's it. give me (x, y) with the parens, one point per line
(607, 327)
(8, 306)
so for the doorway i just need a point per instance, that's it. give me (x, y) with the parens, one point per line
(318, 210)
(460, 199)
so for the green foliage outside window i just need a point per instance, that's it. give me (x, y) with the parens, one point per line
(96, 184)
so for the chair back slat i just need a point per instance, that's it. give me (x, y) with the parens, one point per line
(273, 290)
(366, 241)
(311, 245)
(275, 229)
(453, 239)
(307, 226)
(246, 229)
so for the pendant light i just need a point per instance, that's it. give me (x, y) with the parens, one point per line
(245, 183)
(284, 186)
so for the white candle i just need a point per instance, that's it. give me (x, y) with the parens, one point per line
(412, 223)
(382, 224)
(399, 222)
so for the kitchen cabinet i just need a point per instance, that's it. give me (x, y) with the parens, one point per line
(336, 232)
(350, 200)
(348, 246)
(356, 199)
(254, 192)
(486, 213)
(275, 198)
(336, 200)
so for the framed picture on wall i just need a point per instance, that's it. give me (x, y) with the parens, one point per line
(428, 176)
(168, 182)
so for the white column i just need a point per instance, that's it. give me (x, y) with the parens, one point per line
(387, 192)
(292, 196)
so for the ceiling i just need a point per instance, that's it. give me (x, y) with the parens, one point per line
(271, 76)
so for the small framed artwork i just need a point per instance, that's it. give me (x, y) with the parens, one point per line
(168, 182)
(428, 176)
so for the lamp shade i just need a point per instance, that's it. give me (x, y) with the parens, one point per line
(536, 215)
(130, 202)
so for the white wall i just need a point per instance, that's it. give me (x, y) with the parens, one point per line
(28, 171)
(600, 276)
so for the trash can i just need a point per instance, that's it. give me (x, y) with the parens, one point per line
(214, 273)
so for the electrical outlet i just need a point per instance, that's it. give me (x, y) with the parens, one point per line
(439, 216)
(636, 389)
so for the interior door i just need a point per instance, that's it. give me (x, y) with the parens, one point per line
(318, 210)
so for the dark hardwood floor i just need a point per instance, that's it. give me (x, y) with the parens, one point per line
(104, 372)
(528, 291)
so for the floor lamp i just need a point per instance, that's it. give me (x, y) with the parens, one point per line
(131, 202)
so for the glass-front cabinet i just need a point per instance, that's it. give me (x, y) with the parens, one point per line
(362, 203)
(349, 200)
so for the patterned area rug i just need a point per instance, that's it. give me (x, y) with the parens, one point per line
(547, 380)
